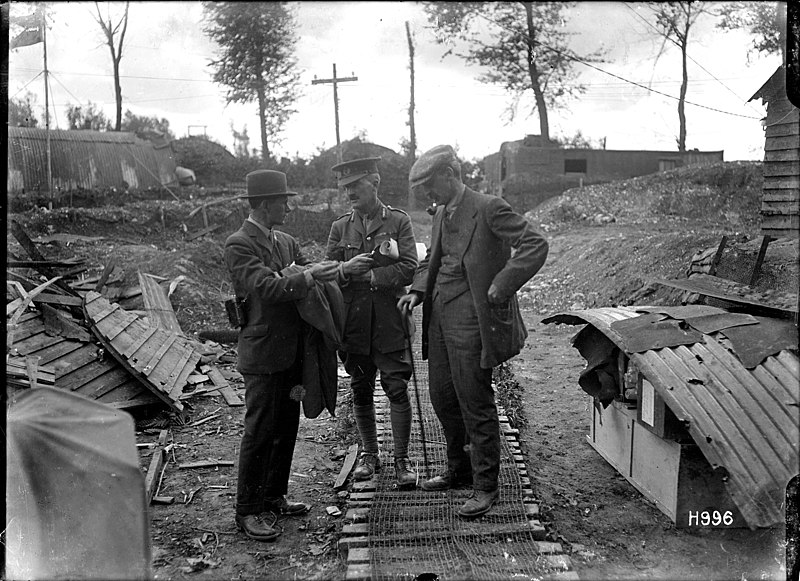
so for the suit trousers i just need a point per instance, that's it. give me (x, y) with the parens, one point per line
(270, 433)
(461, 391)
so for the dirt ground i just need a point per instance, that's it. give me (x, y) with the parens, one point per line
(607, 527)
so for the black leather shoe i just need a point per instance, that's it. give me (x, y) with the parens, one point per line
(447, 481)
(406, 478)
(255, 527)
(368, 465)
(478, 504)
(280, 506)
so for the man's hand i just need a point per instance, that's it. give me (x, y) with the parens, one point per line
(407, 302)
(324, 271)
(358, 265)
(493, 296)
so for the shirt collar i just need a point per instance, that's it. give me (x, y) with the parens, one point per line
(451, 205)
(267, 231)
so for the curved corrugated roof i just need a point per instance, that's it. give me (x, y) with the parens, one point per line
(85, 159)
(745, 420)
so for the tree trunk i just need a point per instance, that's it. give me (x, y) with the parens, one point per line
(117, 91)
(412, 146)
(541, 106)
(682, 99)
(262, 116)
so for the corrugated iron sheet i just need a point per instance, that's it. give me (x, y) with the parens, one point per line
(744, 420)
(85, 159)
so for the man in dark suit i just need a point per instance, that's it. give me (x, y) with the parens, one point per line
(270, 352)
(468, 281)
(375, 333)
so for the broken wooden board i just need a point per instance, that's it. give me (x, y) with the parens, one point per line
(347, 467)
(153, 478)
(159, 358)
(157, 304)
(79, 366)
(231, 397)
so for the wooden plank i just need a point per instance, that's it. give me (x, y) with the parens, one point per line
(147, 398)
(180, 367)
(781, 168)
(130, 389)
(206, 464)
(347, 466)
(75, 379)
(142, 337)
(780, 155)
(781, 196)
(180, 381)
(148, 367)
(789, 126)
(782, 182)
(58, 351)
(230, 396)
(54, 299)
(157, 304)
(105, 274)
(151, 481)
(29, 246)
(789, 142)
(98, 386)
(28, 329)
(35, 343)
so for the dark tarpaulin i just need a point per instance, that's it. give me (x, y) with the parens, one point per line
(76, 503)
(654, 331)
(598, 379)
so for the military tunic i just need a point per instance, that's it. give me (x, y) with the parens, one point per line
(372, 318)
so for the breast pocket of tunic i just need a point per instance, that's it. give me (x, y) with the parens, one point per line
(348, 249)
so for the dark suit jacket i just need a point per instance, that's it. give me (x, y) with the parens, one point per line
(347, 239)
(268, 341)
(487, 230)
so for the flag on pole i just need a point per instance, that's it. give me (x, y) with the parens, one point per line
(31, 30)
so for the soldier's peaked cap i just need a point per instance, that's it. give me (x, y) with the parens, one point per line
(429, 163)
(350, 171)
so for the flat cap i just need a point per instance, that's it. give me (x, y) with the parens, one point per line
(429, 162)
(350, 171)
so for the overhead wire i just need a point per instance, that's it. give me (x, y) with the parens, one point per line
(578, 60)
(643, 19)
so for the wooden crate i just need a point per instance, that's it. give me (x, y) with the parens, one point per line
(675, 476)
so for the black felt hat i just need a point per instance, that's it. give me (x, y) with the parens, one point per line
(266, 183)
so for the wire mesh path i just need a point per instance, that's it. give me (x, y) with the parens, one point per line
(397, 534)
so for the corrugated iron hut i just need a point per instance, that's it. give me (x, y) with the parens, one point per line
(780, 205)
(85, 160)
(563, 168)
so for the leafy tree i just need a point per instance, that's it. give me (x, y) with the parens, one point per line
(89, 117)
(673, 22)
(115, 38)
(524, 49)
(20, 111)
(142, 126)
(576, 141)
(256, 60)
(766, 21)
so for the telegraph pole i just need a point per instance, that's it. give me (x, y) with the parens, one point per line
(335, 81)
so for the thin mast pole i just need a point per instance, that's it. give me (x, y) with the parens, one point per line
(47, 110)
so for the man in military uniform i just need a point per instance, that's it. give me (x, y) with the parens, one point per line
(376, 336)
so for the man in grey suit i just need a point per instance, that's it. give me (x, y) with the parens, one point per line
(471, 323)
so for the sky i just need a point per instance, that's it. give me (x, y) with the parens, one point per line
(165, 73)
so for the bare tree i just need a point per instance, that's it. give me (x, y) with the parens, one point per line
(674, 21)
(525, 49)
(115, 39)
